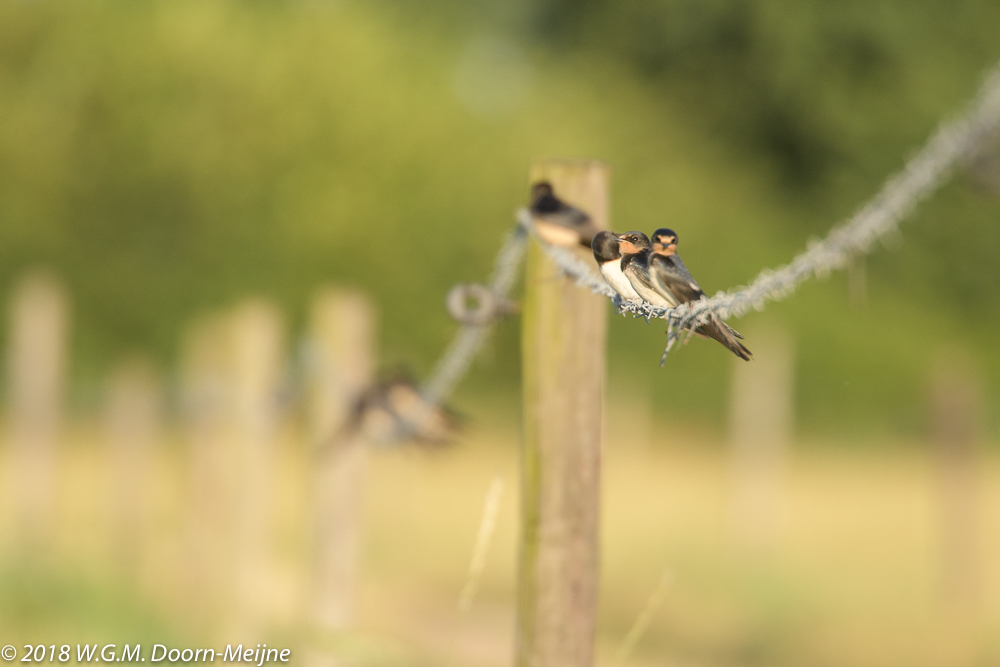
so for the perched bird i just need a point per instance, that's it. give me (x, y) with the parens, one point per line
(671, 279)
(556, 221)
(609, 259)
(394, 407)
(634, 248)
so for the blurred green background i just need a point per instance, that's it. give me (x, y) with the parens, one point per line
(167, 159)
(164, 158)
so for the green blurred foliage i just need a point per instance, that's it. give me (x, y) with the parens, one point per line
(41, 604)
(168, 158)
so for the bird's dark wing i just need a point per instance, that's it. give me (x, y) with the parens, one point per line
(636, 269)
(669, 275)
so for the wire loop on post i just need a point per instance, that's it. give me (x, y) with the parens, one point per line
(487, 308)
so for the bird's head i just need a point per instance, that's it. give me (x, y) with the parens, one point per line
(664, 241)
(605, 247)
(632, 243)
(541, 189)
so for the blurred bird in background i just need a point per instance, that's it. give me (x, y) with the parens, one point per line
(395, 407)
(557, 222)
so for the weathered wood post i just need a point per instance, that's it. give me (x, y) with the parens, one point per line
(761, 420)
(563, 348)
(955, 411)
(132, 421)
(341, 353)
(36, 361)
(257, 349)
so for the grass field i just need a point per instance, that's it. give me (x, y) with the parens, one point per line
(852, 577)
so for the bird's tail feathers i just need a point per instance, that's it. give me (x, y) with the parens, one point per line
(728, 336)
(732, 331)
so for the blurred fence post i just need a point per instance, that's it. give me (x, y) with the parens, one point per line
(761, 426)
(563, 347)
(341, 360)
(955, 409)
(132, 421)
(36, 360)
(257, 358)
(204, 401)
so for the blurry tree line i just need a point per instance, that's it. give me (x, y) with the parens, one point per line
(167, 158)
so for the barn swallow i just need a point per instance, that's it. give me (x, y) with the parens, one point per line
(609, 259)
(556, 221)
(634, 248)
(671, 279)
(388, 409)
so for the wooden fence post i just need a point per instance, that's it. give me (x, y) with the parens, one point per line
(204, 401)
(257, 358)
(955, 410)
(341, 361)
(35, 373)
(761, 421)
(132, 420)
(563, 348)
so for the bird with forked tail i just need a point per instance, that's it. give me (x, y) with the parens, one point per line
(671, 279)
(658, 275)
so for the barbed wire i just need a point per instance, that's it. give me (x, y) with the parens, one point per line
(922, 175)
